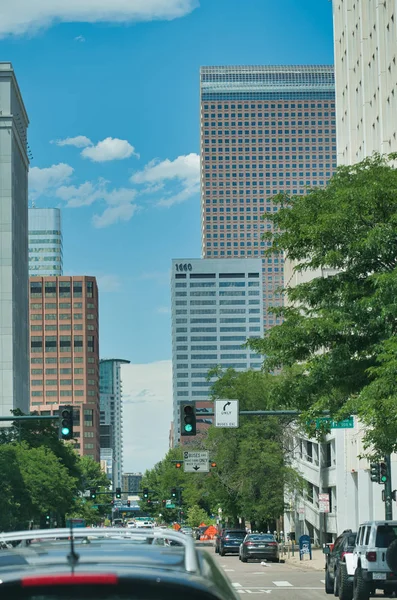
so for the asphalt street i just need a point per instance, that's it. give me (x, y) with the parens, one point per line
(282, 581)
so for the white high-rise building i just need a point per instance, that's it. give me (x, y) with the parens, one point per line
(111, 413)
(217, 305)
(365, 37)
(14, 317)
(45, 242)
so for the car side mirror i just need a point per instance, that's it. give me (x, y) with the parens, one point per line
(326, 550)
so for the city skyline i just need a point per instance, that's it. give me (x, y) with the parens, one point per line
(86, 162)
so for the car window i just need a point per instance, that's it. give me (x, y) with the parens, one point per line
(338, 543)
(367, 536)
(265, 537)
(235, 534)
(385, 535)
(351, 540)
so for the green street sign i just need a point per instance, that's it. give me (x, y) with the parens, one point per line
(345, 424)
(169, 504)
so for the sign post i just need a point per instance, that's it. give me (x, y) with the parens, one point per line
(226, 413)
(323, 503)
(196, 462)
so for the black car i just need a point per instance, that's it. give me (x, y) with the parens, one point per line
(106, 563)
(259, 545)
(335, 575)
(230, 541)
(224, 532)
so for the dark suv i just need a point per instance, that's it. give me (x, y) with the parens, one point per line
(228, 541)
(336, 581)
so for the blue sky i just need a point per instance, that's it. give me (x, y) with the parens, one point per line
(109, 72)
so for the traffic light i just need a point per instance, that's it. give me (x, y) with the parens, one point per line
(66, 422)
(118, 492)
(128, 502)
(173, 493)
(92, 493)
(178, 465)
(164, 502)
(188, 418)
(383, 473)
(375, 472)
(145, 492)
(47, 520)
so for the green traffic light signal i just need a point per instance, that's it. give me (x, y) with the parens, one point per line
(384, 475)
(188, 418)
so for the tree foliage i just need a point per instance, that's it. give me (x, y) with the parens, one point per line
(336, 345)
(252, 461)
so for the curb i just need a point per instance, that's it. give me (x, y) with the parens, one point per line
(304, 565)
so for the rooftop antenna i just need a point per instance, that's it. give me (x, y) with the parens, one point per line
(72, 557)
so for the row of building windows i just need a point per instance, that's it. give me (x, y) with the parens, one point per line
(63, 288)
(60, 305)
(63, 371)
(39, 382)
(49, 393)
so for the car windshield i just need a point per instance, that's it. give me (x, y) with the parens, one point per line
(234, 535)
(265, 537)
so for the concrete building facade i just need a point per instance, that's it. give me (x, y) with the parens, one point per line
(64, 353)
(365, 41)
(111, 411)
(45, 242)
(131, 483)
(216, 306)
(14, 315)
(264, 130)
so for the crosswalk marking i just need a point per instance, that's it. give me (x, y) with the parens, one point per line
(322, 580)
(282, 583)
(237, 585)
(229, 570)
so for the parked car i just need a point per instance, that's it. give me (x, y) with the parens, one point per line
(370, 559)
(337, 579)
(223, 533)
(187, 531)
(259, 545)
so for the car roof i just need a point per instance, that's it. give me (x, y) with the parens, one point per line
(183, 566)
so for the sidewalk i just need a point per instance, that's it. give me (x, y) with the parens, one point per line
(317, 563)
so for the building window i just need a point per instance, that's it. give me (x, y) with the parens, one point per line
(50, 289)
(78, 343)
(65, 343)
(90, 289)
(78, 289)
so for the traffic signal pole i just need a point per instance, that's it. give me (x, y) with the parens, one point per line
(388, 491)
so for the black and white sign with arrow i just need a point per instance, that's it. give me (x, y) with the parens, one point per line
(226, 413)
(196, 462)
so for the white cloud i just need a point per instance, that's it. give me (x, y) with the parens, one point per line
(114, 214)
(163, 310)
(108, 283)
(43, 181)
(147, 413)
(119, 201)
(28, 16)
(79, 38)
(80, 141)
(109, 149)
(184, 170)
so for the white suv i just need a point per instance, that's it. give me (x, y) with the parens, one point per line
(371, 571)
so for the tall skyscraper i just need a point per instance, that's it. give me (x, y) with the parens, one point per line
(64, 352)
(111, 412)
(131, 483)
(45, 242)
(216, 306)
(264, 129)
(365, 37)
(14, 317)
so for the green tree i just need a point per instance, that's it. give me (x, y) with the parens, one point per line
(48, 484)
(91, 474)
(196, 516)
(336, 345)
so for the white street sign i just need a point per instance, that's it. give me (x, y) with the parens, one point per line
(196, 462)
(226, 413)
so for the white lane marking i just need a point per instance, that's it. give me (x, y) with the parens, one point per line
(322, 580)
(282, 583)
(229, 570)
(237, 585)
